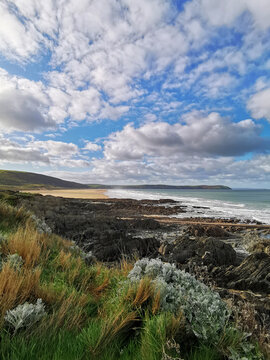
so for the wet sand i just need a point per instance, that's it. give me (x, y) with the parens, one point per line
(73, 193)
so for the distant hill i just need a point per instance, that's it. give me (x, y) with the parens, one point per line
(21, 180)
(27, 180)
(160, 187)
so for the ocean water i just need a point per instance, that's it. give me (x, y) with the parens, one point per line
(231, 204)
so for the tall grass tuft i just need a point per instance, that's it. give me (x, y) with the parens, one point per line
(27, 243)
(70, 313)
(157, 331)
(16, 287)
(10, 217)
(118, 328)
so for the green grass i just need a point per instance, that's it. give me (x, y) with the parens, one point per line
(93, 312)
(25, 180)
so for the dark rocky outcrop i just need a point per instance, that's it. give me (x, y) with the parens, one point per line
(207, 251)
(145, 224)
(253, 274)
(111, 246)
(205, 231)
(94, 226)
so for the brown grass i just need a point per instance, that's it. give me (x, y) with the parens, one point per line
(26, 242)
(49, 294)
(71, 313)
(75, 271)
(98, 290)
(16, 287)
(117, 327)
(10, 216)
(126, 266)
(143, 294)
(64, 259)
(156, 303)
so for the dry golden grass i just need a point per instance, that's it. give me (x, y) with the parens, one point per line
(98, 290)
(156, 303)
(7, 211)
(119, 326)
(49, 295)
(71, 312)
(75, 270)
(64, 259)
(126, 266)
(176, 325)
(26, 242)
(143, 294)
(59, 242)
(16, 287)
(11, 217)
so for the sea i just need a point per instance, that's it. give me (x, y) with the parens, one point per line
(242, 204)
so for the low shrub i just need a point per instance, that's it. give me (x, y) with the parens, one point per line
(204, 310)
(25, 315)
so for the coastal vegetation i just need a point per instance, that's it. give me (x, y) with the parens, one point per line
(56, 305)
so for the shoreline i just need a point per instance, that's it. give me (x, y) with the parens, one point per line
(73, 193)
(101, 194)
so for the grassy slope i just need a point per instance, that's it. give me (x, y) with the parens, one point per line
(92, 311)
(27, 180)
(19, 180)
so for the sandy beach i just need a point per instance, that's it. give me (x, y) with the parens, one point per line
(73, 193)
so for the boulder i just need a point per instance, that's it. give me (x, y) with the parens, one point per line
(112, 245)
(209, 251)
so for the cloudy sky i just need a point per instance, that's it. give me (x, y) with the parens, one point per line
(145, 91)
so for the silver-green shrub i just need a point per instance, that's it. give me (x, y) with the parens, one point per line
(204, 310)
(15, 260)
(41, 225)
(25, 315)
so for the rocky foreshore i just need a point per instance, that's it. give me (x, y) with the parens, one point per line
(232, 256)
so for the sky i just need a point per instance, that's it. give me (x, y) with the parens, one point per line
(133, 92)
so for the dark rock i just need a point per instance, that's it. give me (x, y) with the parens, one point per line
(219, 253)
(112, 246)
(209, 230)
(209, 251)
(253, 274)
(146, 224)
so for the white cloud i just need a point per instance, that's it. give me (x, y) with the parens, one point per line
(17, 40)
(56, 148)
(103, 47)
(90, 146)
(219, 13)
(198, 134)
(103, 52)
(176, 170)
(21, 111)
(27, 150)
(15, 152)
(216, 84)
(259, 105)
(113, 112)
